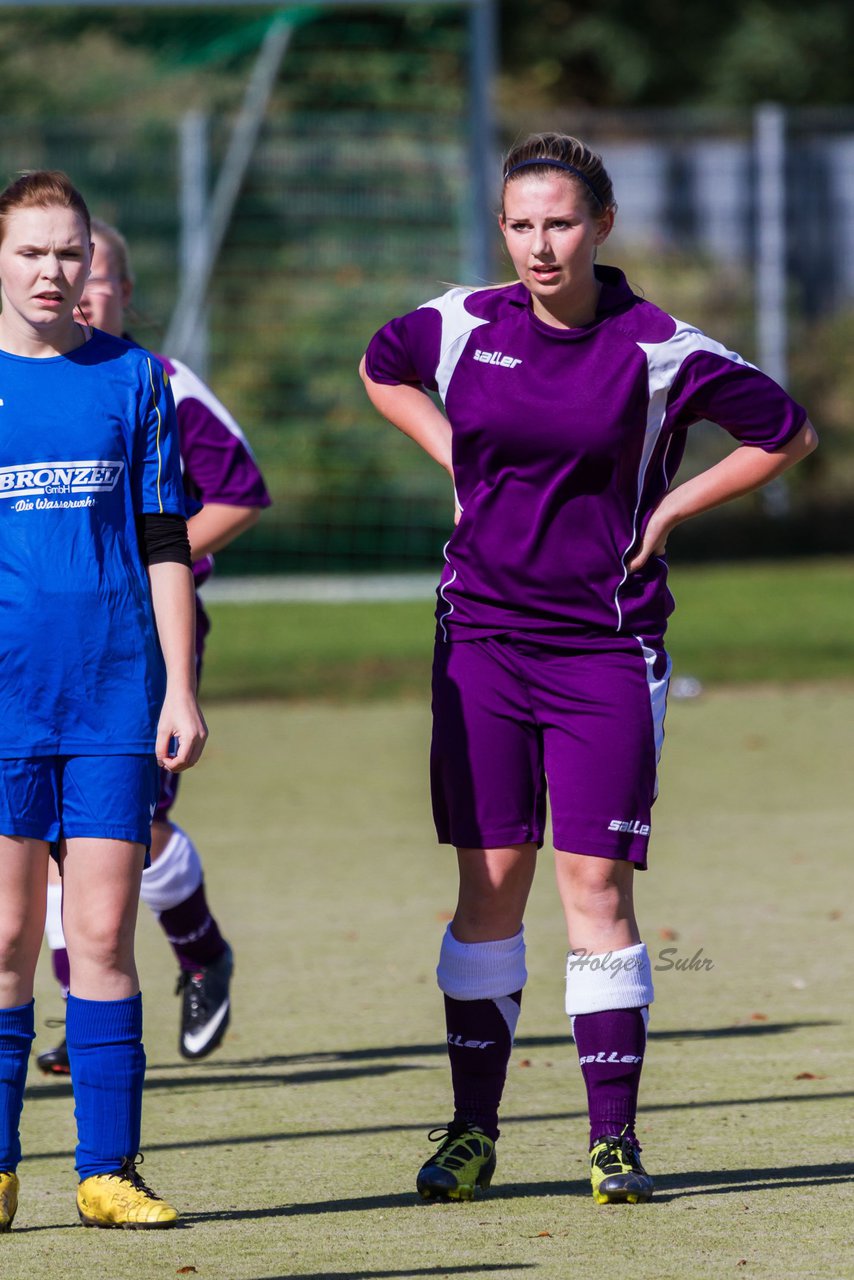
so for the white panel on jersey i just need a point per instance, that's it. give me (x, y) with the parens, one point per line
(457, 324)
(664, 360)
(187, 385)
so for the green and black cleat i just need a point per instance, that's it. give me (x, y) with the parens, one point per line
(464, 1160)
(617, 1175)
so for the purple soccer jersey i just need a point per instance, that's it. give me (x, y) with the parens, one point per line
(218, 466)
(564, 442)
(217, 463)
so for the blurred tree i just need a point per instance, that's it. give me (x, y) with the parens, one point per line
(600, 53)
(622, 53)
(786, 53)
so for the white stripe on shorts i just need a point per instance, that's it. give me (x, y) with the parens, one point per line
(657, 698)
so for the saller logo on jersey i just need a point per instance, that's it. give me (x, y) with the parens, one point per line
(496, 357)
(36, 478)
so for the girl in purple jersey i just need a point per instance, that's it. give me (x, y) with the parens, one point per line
(220, 472)
(99, 679)
(567, 402)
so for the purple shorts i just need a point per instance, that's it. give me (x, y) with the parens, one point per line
(513, 717)
(168, 792)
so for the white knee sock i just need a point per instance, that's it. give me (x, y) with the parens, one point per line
(53, 919)
(616, 980)
(482, 970)
(174, 876)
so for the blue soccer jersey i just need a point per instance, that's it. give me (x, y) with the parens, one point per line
(88, 442)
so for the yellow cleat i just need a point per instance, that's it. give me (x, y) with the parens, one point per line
(617, 1175)
(122, 1199)
(8, 1199)
(465, 1159)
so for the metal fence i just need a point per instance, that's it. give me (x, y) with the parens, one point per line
(351, 215)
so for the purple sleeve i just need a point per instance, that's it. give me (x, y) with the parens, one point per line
(741, 399)
(406, 350)
(217, 461)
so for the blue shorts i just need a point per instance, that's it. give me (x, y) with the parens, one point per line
(56, 797)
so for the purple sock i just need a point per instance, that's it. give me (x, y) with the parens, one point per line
(61, 969)
(480, 1039)
(192, 931)
(610, 1051)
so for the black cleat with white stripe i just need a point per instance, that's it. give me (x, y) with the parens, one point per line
(205, 1006)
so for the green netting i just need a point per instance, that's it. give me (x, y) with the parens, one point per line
(356, 207)
(355, 203)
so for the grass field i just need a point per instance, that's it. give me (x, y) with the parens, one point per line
(292, 1151)
(733, 624)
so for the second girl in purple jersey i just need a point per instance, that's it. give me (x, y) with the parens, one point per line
(568, 400)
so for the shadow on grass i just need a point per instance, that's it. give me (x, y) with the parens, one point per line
(231, 1080)
(437, 1047)
(271, 1139)
(397, 1200)
(469, 1269)
(672, 1187)
(194, 1075)
(716, 1182)
(47, 1226)
(668, 1187)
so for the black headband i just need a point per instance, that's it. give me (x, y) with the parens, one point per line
(557, 164)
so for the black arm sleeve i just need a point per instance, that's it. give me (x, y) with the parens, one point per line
(163, 539)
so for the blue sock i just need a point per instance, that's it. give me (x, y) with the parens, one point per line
(107, 1072)
(17, 1032)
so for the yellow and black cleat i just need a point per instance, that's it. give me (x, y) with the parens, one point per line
(617, 1175)
(8, 1199)
(464, 1160)
(122, 1199)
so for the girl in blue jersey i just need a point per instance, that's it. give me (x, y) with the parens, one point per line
(219, 470)
(568, 399)
(98, 678)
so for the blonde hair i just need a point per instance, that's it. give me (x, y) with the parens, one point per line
(118, 247)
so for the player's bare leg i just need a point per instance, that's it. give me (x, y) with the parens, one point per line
(493, 892)
(481, 973)
(608, 991)
(101, 891)
(173, 886)
(23, 866)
